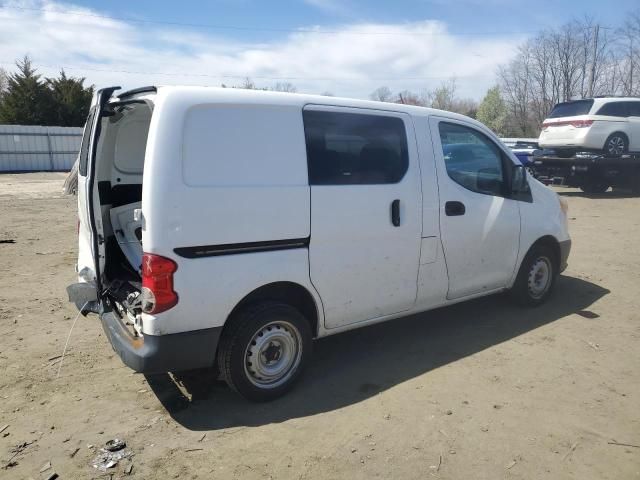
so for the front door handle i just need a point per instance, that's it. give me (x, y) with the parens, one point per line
(454, 209)
(395, 213)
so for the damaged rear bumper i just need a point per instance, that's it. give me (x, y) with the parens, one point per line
(161, 353)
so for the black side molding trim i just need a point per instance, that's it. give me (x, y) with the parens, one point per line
(235, 248)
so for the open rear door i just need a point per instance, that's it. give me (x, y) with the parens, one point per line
(86, 293)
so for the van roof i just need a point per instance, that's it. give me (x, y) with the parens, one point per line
(195, 95)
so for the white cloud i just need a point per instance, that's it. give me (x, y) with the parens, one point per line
(351, 60)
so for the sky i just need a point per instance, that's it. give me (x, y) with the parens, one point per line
(345, 47)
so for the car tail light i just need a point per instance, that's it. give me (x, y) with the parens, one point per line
(573, 123)
(581, 123)
(157, 283)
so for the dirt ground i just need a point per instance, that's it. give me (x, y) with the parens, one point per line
(482, 390)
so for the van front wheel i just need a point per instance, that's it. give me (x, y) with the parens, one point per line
(264, 349)
(536, 277)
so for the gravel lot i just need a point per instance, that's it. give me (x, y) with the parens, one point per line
(478, 390)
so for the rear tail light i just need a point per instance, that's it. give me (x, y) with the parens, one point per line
(573, 123)
(157, 283)
(582, 123)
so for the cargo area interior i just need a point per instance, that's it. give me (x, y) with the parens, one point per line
(119, 166)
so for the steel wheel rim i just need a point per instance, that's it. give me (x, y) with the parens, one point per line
(273, 354)
(616, 145)
(539, 279)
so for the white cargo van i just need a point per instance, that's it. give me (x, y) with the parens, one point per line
(229, 228)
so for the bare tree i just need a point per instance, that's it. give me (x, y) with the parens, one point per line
(285, 87)
(382, 94)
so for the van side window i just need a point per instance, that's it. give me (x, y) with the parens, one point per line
(472, 159)
(84, 147)
(614, 109)
(354, 149)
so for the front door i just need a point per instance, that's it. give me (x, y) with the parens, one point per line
(364, 250)
(480, 226)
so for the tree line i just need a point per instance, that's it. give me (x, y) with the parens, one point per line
(26, 98)
(580, 59)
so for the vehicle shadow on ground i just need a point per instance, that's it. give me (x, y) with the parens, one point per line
(353, 366)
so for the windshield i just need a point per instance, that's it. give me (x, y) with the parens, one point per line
(571, 109)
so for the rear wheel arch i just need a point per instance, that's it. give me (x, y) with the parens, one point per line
(290, 293)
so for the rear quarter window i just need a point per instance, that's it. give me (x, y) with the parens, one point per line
(243, 145)
(614, 109)
(571, 109)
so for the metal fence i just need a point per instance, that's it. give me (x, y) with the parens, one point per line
(33, 148)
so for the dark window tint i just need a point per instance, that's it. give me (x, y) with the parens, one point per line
(84, 147)
(571, 109)
(634, 109)
(354, 148)
(614, 109)
(472, 159)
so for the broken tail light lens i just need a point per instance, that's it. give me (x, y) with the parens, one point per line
(157, 283)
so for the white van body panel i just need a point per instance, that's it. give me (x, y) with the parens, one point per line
(541, 218)
(481, 246)
(224, 167)
(353, 240)
(209, 288)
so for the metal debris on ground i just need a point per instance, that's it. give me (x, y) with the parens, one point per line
(111, 454)
(53, 476)
(45, 467)
(4, 427)
(115, 445)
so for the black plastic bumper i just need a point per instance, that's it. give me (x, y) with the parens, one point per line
(565, 248)
(161, 353)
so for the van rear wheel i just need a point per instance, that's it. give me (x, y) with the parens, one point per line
(536, 277)
(264, 350)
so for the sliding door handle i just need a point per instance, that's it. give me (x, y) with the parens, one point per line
(454, 209)
(395, 213)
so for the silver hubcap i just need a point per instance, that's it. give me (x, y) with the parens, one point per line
(539, 277)
(273, 354)
(616, 145)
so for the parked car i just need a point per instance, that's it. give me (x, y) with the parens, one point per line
(610, 125)
(523, 148)
(231, 227)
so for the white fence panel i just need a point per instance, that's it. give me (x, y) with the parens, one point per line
(26, 148)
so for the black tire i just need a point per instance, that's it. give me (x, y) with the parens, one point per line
(279, 324)
(594, 187)
(616, 144)
(523, 290)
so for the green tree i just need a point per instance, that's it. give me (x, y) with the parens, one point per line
(27, 99)
(71, 100)
(493, 111)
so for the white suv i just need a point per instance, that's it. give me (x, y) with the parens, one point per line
(610, 125)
